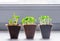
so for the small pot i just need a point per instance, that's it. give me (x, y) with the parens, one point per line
(14, 31)
(45, 30)
(29, 31)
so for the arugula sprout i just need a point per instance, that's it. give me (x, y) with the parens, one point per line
(45, 20)
(28, 20)
(14, 20)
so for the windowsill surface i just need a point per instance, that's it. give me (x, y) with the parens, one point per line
(55, 35)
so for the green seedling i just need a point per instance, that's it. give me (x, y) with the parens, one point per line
(28, 20)
(45, 20)
(14, 20)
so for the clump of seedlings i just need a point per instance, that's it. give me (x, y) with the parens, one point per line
(14, 20)
(28, 20)
(45, 20)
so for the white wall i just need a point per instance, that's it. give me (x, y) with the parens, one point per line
(36, 2)
(11, 1)
(54, 1)
(29, 1)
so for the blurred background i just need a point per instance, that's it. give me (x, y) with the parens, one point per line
(36, 10)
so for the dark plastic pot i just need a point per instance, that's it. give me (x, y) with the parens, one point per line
(29, 31)
(45, 30)
(14, 31)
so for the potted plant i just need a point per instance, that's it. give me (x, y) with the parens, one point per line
(13, 27)
(45, 26)
(29, 26)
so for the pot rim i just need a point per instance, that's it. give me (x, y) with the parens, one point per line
(29, 24)
(44, 24)
(12, 25)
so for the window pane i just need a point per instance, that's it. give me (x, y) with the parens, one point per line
(54, 1)
(29, 1)
(36, 1)
(11, 1)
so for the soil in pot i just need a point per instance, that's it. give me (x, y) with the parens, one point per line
(14, 31)
(45, 30)
(29, 31)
